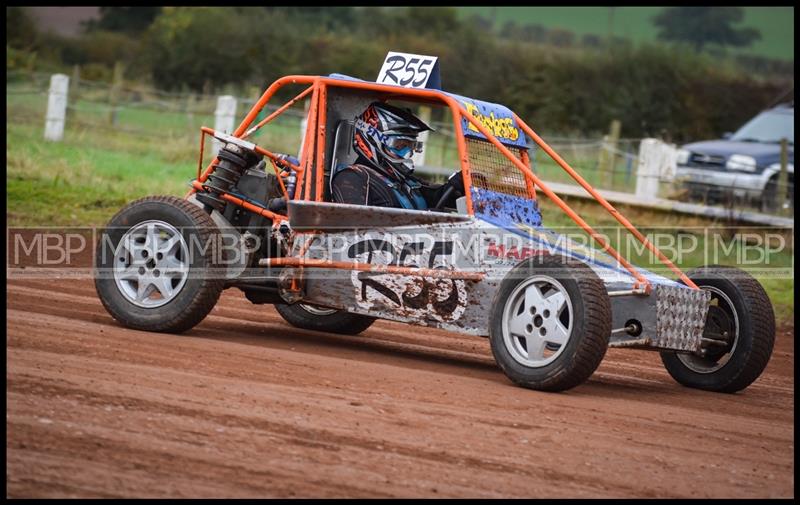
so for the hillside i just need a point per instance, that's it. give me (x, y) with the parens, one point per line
(776, 24)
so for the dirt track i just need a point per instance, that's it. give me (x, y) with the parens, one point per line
(246, 406)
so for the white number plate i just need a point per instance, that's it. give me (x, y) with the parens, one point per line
(409, 70)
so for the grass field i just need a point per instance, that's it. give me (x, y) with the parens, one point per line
(95, 170)
(776, 24)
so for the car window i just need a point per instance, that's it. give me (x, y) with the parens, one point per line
(767, 127)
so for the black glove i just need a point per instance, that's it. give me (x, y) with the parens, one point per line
(457, 181)
(449, 191)
(284, 158)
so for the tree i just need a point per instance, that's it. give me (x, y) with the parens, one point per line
(480, 22)
(438, 22)
(313, 18)
(193, 46)
(700, 26)
(131, 20)
(560, 37)
(510, 30)
(20, 28)
(591, 40)
(534, 33)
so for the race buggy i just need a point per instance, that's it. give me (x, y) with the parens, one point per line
(264, 222)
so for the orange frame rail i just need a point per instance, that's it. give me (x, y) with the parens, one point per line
(436, 273)
(312, 157)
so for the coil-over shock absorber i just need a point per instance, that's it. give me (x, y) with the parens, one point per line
(232, 162)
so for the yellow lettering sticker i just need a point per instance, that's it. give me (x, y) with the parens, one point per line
(500, 127)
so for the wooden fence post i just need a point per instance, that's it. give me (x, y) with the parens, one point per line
(783, 178)
(190, 105)
(75, 85)
(56, 108)
(607, 161)
(76, 77)
(113, 93)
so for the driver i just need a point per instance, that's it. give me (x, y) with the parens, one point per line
(385, 138)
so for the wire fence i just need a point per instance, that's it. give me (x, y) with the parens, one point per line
(143, 112)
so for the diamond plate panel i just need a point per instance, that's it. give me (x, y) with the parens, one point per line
(681, 317)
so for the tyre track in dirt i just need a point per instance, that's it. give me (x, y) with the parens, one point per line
(244, 405)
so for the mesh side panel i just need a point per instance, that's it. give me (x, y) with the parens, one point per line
(493, 171)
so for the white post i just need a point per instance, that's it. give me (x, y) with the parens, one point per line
(56, 108)
(657, 160)
(425, 116)
(223, 118)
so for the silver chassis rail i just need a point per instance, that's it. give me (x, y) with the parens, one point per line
(670, 317)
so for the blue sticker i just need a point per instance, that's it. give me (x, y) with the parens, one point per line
(505, 210)
(521, 216)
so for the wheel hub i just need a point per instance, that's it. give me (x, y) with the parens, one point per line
(537, 321)
(718, 333)
(318, 311)
(151, 264)
(720, 336)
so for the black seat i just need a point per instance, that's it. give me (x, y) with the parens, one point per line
(343, 153)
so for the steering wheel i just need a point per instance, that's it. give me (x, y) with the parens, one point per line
(455, 184)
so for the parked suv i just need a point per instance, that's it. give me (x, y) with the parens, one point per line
(743, 165)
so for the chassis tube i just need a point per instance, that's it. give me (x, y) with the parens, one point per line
(367, 267)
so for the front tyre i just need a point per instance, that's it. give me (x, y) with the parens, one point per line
(550, 323)
(155, 266)
(738, 337)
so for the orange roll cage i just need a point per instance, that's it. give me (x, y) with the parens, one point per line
(311, 167)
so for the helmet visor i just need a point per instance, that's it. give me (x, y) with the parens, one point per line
(403, 146)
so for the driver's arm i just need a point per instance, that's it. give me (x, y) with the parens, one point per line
(440, 196)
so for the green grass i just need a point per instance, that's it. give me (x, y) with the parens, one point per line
(85, 178)
(776, 24)
(621, 176)
(98, 167)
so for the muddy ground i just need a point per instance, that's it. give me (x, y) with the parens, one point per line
(246, 406)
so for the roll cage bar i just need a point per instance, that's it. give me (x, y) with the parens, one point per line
(313, 155)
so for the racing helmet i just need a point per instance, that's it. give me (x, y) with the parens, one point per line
(387, 136)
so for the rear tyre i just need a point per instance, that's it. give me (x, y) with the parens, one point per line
(740, 321)
(155, 266)
(311, 317)
(550, 323)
